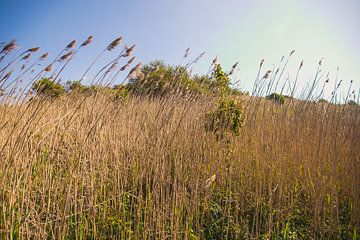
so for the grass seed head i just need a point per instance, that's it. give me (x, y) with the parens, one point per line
(9, 47)
(48, 68)
(87, 41)
(65, 56)
(26, 57)
(267, 74)
(71, 45)
(34, 49)
(114, 44)
(187, 51)
(44, 56)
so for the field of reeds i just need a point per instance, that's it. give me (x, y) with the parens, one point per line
(171, 156)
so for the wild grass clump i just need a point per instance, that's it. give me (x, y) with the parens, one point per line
(84, 165)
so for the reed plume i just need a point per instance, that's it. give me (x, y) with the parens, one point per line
(70, 45)
(114, 44)
(9, 47)
(87, 41)
(44, 56)
(34, 49)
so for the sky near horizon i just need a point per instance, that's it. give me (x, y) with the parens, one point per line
(243, 31)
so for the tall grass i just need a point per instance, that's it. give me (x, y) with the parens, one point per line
(91, 167)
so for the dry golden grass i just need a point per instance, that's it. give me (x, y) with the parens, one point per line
(81, 168)
(84, 165)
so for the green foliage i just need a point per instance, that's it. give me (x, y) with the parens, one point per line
(75, 86)
(276, 97)
(221, 81)
(47, 87)
(228, 117)
(121, 92)
(160, 79)
(321, 100)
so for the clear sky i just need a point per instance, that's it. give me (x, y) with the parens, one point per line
(235, 30)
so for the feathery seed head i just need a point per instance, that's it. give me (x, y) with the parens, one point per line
(34, 49)
(131, 60)
(215, 61)
(9, 47)
(123, 68)
(199, 57)
(113, 66)
(114, 44)
(187, 51)
(233, 68)
(70, 45)
(262, 62)
(65, 56)
(87, 41)
(301, 64)
(134, 72)
(44, 56)
(128, 50)
(267, 74)
(48, 68)
(7, 75)
(26, 57)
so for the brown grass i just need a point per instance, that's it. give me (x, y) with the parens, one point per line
(133, 173)
(86, 166)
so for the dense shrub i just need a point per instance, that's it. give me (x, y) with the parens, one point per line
(75, 86)
(228, 117)
(158, 79)
(276, 97)
(47, 87)
(321, 100)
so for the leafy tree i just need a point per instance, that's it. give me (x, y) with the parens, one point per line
(160, 79)
(75, 86)
(47, 87)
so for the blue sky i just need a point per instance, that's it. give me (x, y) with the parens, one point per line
(235, 30)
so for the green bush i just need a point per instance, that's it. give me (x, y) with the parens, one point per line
(121, 92)
(220, 81)
(228, 117)
(47, 87)
(160, 80)
(75, 86)
(321, 100)
(276, 97)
